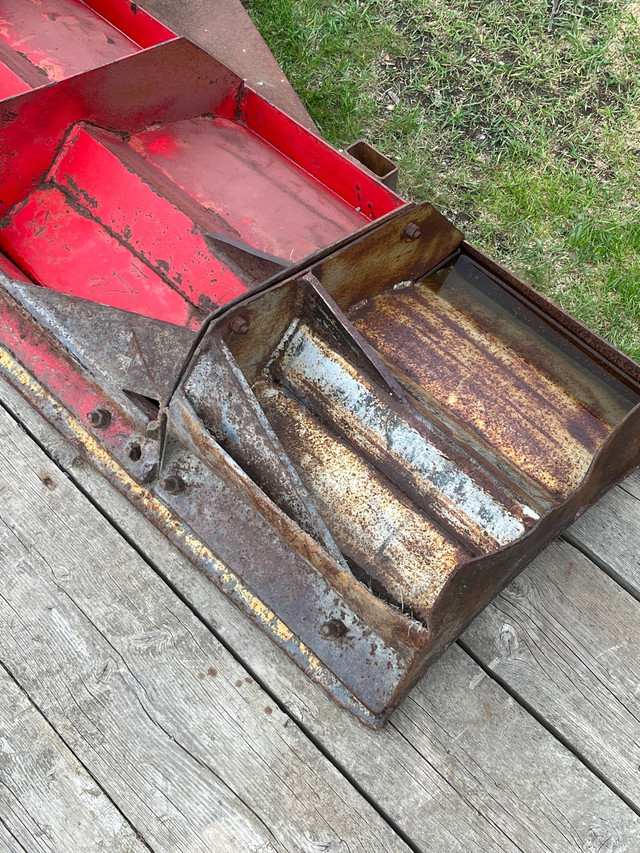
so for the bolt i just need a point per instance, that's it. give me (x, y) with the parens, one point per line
(99, 418)
(173, 485)
(240, 325)
(333, 629)
(412, 231)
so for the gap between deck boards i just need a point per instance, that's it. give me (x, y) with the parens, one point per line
(43, 780)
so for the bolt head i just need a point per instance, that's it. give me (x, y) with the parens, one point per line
(173, 485)
(412, 231)
(240, 325)
(99, 418)
(333, 629)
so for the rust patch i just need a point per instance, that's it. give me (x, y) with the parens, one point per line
(398, 546)
(438, 475)
(528, 418)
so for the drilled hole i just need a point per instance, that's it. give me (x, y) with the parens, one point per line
(135, 452)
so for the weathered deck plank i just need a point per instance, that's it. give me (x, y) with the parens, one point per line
(500, 759)
(462, 767)
(173, 730)
(565, 637)
(610, 533)
(47, 799)
(8, 843)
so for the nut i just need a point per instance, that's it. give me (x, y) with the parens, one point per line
(173, 485)
(240, 325)
(99, 418)
(333, 629)
(412, 231)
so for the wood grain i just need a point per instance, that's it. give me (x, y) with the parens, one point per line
(609, 533)
(632, 484)
(8, 843)
(502, 785)
(172, 728)
(565, 637)
(47, 799)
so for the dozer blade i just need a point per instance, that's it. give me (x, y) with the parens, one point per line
(358, 426)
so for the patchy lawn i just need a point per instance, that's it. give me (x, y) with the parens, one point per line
(519, 119)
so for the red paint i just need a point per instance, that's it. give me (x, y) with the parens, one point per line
(266, 197)
(140, 26)
(67, 252)
(132, 207)
(339, 174)
(61, 37)
(10, 83)
(125, 94)
(53, 371)
(65, 37)
(11, 270)
(118, 216)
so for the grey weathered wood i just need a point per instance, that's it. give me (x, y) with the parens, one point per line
(190, 748)
(632, 484)
(610, 533)
(565, 637)
(9, 844)
(494, 745)
(487, 789)
(47, 799)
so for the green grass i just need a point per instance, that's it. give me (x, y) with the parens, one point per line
(523, 130)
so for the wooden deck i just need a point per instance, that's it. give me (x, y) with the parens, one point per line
(139, 710)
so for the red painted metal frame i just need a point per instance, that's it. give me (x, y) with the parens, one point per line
(127, 178)
(44, 42)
